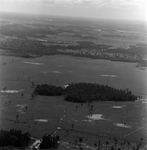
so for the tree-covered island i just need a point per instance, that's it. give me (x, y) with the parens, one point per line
(86, 92)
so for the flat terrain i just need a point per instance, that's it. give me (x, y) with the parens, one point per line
(108, 120)
(35, 36)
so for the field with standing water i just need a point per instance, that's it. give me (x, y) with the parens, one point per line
(125, 121)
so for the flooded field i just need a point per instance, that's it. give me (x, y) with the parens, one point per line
(41, 114)
(61, 70)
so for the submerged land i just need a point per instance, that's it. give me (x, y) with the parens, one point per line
(37, 50)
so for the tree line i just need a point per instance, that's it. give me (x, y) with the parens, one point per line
(48, 90)
(86, 92)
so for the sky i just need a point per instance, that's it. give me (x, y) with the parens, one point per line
(106, 9)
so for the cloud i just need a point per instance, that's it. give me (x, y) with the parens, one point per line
(139, 4)
(84, 2)
(120, 4)
(112, 8)
(49, 2)
(107, 3)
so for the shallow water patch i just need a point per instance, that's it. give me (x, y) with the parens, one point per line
(95, 117)
(32, 63)
(144, 101)
(41, 120)
(50, 72)
(112, 76)
(22, 106)
(21, 111)
(55, 71)
(88, 120)
(122, 31)
(59, 128)
(10, 91)
(118, 106)
(122, 125)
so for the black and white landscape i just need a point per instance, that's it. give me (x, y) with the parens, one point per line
(72, 82)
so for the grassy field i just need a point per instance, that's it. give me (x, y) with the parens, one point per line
(18, 73)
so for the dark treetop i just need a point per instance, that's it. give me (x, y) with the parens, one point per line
(86, 92)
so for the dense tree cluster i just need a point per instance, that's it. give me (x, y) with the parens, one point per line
(49, 142)
(86, 92)
(49, 90)
(14, 138)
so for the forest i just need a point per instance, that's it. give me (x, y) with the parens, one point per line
(48, 90)
(86, 92)
(49, 142)
(14, 138)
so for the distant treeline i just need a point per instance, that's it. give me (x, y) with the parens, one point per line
(86, 92)
(138, 49)
(14, 138)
